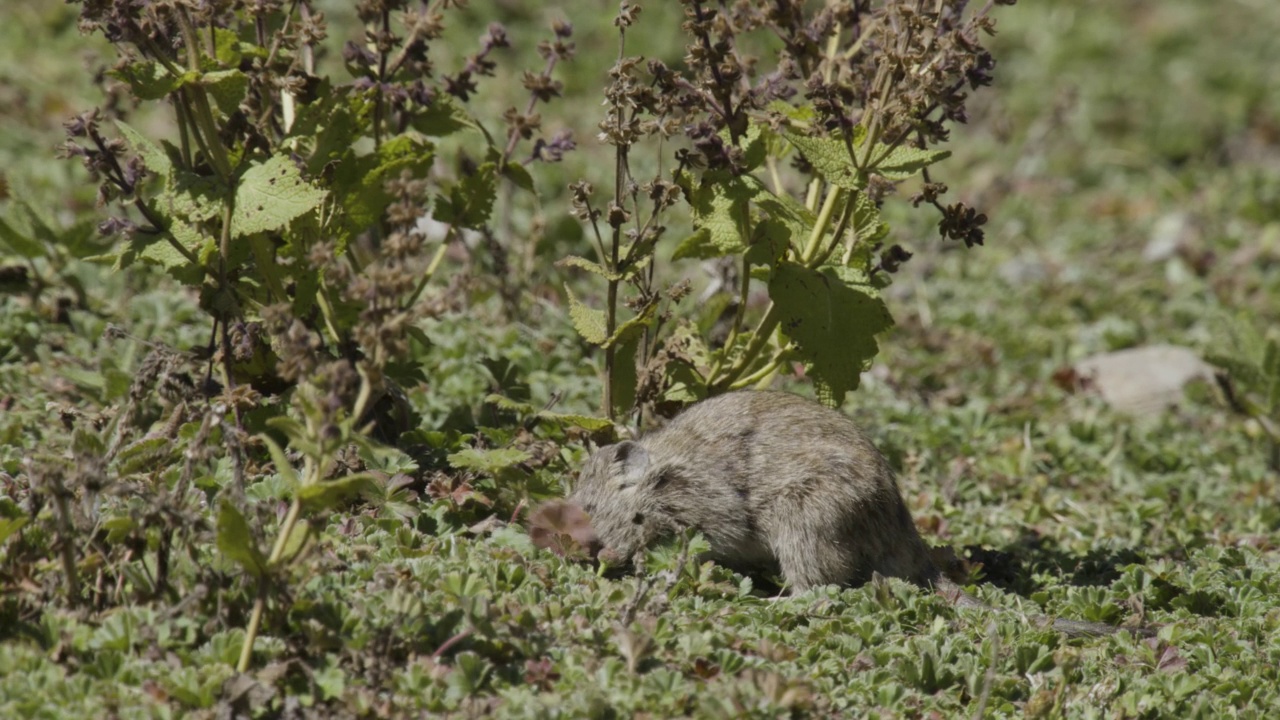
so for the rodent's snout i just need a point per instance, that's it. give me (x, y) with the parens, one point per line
(563, 527)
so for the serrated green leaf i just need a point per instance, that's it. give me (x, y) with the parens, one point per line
(335, 129)
(906, 161)
(865, 230)
(802, 114)
(623, 381)
(199, 243)
(191, 197)
(149, 80)
(1271, 359)
(300, 539)
(698, 246)
(138, 455)
(588, 265)
(830, 157)
(516, 173)
(87, 444)
(1247, 375)
(721, 208)
(752, 144)
(684, 384)
(21, 244)
(327, 494)
(271, 194)
(443, 117)
(154, 249)
(469, 202)
(833, 316)
(589, 323)
(9, 526)
(153, 158)
(770, 239)
(236, 542)
(226, 47)
(360, 181)
(724, 206)
(278, 458)
(502, 402)
(586, 422)
(489, 462)
(633, 327)
(118, 528)
(227, 88)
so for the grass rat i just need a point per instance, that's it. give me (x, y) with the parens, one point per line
(777, 484)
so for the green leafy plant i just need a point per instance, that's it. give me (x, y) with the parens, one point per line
(856, 99)
(291, 201)
(1250, 361)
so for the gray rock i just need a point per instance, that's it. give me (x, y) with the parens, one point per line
(1143, 380)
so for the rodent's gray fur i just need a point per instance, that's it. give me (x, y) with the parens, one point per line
(777, 484)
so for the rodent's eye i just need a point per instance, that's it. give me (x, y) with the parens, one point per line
(638, 519)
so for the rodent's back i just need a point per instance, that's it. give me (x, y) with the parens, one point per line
(777, 480)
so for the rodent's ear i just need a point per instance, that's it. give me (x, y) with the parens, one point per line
(631, 461)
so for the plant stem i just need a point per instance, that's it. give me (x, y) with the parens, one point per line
(260, 604)
(65, 549)
(611, 311)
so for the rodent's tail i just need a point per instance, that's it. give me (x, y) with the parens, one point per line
(1071, 628)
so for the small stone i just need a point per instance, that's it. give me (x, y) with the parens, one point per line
(1143, 380)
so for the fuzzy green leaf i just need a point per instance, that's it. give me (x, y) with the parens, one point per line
(1271, 358)
(236, 542)
(906, 161)
(698, 245)
(278, 458)
(20, 243)
(444, 117)
(150, 80)
(328, 494)
(502, 402)
(489, 462)
(9, 526)
(721, 206)
(588, 265)
(830, 158)
(516, 173)
(334, 130)
(833, 316)
(623, 382)
(586, 422)
(149, 248)
(724, 207)
(193, 197)
(227, 88)
(633, 327)
(589, 322)
(469, 202)
(271, 194)
(147, 453)
(300, 538)
(865, 229)
(153, 158)
(1249, 376)
(360, 181)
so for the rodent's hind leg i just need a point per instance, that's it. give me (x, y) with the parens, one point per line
(806, 563)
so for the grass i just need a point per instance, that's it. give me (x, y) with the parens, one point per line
(1107, 119)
